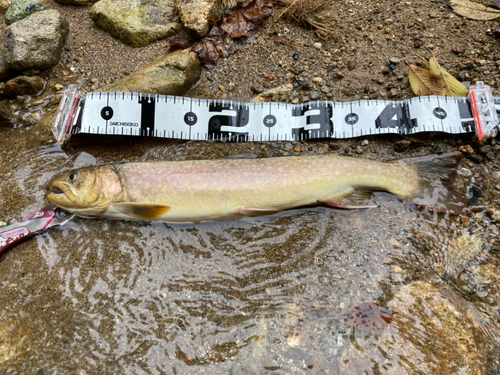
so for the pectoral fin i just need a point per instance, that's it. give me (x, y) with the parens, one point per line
(145, 211)
(356, 199)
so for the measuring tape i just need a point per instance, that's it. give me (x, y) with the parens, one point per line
(164, 116)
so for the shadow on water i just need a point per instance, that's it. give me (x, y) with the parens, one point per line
(240, 297)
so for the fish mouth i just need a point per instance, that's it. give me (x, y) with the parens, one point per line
(61, 195)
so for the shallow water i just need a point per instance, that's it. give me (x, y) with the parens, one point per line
(266, 295)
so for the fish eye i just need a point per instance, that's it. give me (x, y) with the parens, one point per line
(72, 176)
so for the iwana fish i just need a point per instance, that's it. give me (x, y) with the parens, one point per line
(204, 190)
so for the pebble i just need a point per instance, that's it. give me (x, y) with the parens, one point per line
(393, 92)
(485, 149)
(394, 60)
(465, 172)
(364, 142)
(495, 214)
(359, 150)
(398, 269)
(459, 48)
(335, 146)
(317, 79)
(317, 45)
(348, 92)
(256, 89)
(466, 149)
(314, 95)
(402, 146)
(296, 56)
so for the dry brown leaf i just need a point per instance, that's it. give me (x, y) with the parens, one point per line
(423, 82)
(474, 11)
(211, 48)
(450, 85)
(244, 19)
(433, 79)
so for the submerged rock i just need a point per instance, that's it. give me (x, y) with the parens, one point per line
(196, 15)
(428, 335)
(36, 41)
(482, 281)
(22, 85)
(135, 22)
(172, 74)
(20, 9)
(15, 342)
(6, 116)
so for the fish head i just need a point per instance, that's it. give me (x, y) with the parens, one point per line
(85, 191)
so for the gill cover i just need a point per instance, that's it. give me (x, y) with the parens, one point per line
(87, 191)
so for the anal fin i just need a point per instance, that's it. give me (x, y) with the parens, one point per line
(145, 211)
(356, 199)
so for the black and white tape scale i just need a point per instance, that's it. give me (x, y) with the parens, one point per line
(136, 114)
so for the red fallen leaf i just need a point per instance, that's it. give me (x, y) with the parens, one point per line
(212, 47)
(369, 315)
(242, 20)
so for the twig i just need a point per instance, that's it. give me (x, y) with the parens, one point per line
(291, 5)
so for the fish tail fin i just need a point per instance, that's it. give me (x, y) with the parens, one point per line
(436, 175)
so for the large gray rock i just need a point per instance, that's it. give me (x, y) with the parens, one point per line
(432, 333)
(20, 9)
(196, 14)
(5, 72)
(172, 74)
(135, 22)
(36, 42)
